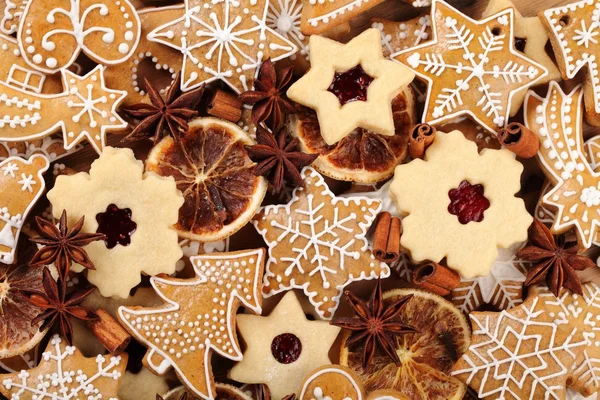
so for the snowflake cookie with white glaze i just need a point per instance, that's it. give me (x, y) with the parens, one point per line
(64, 373)
(317, 243)
(135, 210)
(283, 347)
(198, 317)
(459, 206)
(471, 67)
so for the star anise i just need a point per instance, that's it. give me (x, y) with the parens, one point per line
(172, 113)
(374, 324)
(268, 100)
(59, 307)
(183, 396)
(61, 246)
(554, 259)
(278, 160)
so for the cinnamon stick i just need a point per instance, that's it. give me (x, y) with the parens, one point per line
(109, 332)
(435, 278)
(519, 139)
(386, 239)
(225, 105)
(420, 139)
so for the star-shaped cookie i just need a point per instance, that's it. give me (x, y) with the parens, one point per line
(319, 16)
(282, 348)
(573, 32)
(530, 39)
(63, 373)
(226, 40)
(351, 85)
(317, 243)
(471, 67)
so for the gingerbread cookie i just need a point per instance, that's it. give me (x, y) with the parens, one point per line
(459, 194)
(317, 243)
(557, 120)
(530, 38)
(572, 30)
(13, 11)
(332, 381)
(136, 212)
(542, 347)
(86, 109)
(64, 373)
(229, 42)
(53, 33)
(21, 185)
(471, 67)
(50, 146)
(350, 86)
(198, 317)
(153, 61)
(319, 16)
(282, 347)
(398, 36)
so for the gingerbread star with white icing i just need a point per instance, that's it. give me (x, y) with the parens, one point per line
(226, 40)
(351, 85)
(283, 347)
(471, 67)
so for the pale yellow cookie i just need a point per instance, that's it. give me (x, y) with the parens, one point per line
(333, 63)
(115, 198)
(142, 386)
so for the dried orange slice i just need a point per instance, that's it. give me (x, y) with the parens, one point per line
(213, 171)
(427, 356)
(362, 156)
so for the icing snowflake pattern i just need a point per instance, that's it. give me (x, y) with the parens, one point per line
(87, 110)
(317, 247)
(181, 335)
(61, 376)
(229, 40)
(284, 17)
(557, 119)
(478, 60)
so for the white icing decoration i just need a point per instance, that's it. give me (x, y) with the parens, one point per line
(284, 17)
(318, 392)
(13, 10)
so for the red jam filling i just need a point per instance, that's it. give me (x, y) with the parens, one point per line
(286, 348)
(116, 224)
(468, 203)
(350, 85)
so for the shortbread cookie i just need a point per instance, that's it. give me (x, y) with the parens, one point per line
(387, 394)
(53, 33)
(461, 196)
(21, 185)
(136, 212)
(86, 109)
(573, 31)
(530, 38)
(198, 317)
(471, 67)
(317, 243)
(282, 347)
(229, 41)
(333, 382)
(350, 86)
(557, 120)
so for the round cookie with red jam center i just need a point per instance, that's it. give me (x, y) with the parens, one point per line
(363, 155)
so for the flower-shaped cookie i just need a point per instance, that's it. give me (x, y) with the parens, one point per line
(351, 85)
(460, 204)
(134, 210)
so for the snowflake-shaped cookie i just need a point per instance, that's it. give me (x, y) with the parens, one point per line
(471, 67)
(64, 374)
(317, 243)
(154, 203)
(421, 190)
(226, 40)
(557, 120)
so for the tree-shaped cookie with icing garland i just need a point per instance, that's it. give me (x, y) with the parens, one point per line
(317, 243)
(471, 67)
(198, 316)
(557, 120)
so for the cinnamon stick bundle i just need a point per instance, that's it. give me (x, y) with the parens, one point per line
(109, 332)
(386, 240)
(435, 278)
(519, 139)
(420, 139)
(225, 105)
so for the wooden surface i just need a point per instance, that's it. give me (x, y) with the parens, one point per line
(390, 9)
